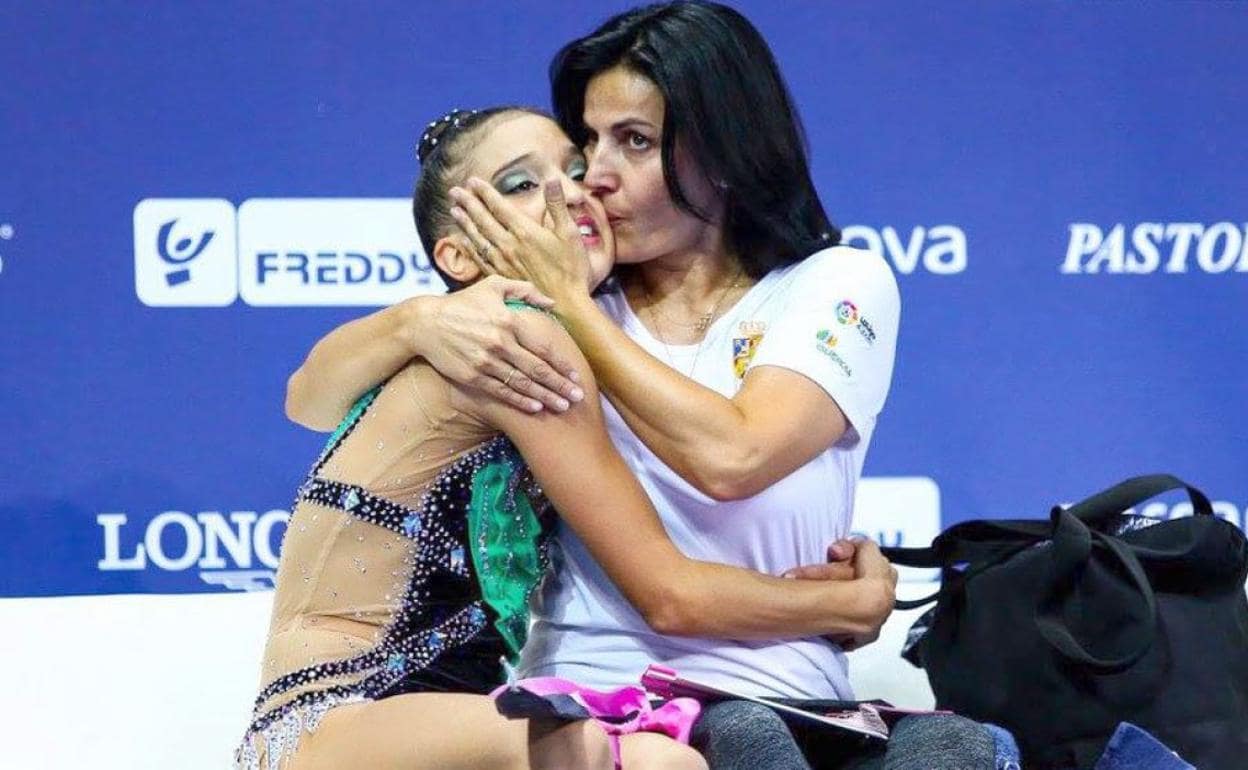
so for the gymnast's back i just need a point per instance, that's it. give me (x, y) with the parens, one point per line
(413, 546)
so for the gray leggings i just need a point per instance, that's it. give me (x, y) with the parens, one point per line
(739, 735)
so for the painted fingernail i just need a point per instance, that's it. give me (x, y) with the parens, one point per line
(457, 212)
(535, 406)
(574, 375)
(562, 404)
(576, 394)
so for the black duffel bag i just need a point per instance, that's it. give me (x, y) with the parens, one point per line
(1061, 629)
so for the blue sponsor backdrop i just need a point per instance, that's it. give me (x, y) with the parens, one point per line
(1060, 187)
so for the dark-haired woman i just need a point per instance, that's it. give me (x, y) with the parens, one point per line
(744, 356)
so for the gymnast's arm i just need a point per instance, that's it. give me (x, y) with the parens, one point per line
(597, 495)
(469, 336)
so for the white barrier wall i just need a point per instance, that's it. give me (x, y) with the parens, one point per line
(161, 682)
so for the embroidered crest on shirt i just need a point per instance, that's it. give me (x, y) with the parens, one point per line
(825, 343)
(745, 344)
(847, 313)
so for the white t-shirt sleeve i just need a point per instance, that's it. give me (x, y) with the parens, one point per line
(839, 328)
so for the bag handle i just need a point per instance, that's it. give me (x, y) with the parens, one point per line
(1073, 542)
(1130, 493)
(972, 542)
(1000, 554)
(984, 543)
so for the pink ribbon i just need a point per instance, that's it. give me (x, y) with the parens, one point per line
(674, 718)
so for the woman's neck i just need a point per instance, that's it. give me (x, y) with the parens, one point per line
(688, 278)
(678, 296)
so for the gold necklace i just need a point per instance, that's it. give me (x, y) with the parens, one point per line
(701, 325)
(704, 321)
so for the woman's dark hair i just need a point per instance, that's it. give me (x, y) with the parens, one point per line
(441, 151)
(727, 106)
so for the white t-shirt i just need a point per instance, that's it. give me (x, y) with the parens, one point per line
(833, 318)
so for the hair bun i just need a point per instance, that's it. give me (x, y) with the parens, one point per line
(438, 131)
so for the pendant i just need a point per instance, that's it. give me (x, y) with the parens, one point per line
(703, 323)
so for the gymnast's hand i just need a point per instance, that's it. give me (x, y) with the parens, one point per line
(472, 338)
(550, 254)
(839, 565)
(857, 560)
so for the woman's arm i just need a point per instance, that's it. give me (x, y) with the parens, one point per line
(598, 496)
(468, 336)
(729, 448)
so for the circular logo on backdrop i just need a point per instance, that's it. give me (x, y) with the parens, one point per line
(847, 312)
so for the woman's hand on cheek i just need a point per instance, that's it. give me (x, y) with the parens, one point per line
(574, 266)
(554, 260)
(482, 347)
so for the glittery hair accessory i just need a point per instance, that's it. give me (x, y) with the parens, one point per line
(437, 131)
